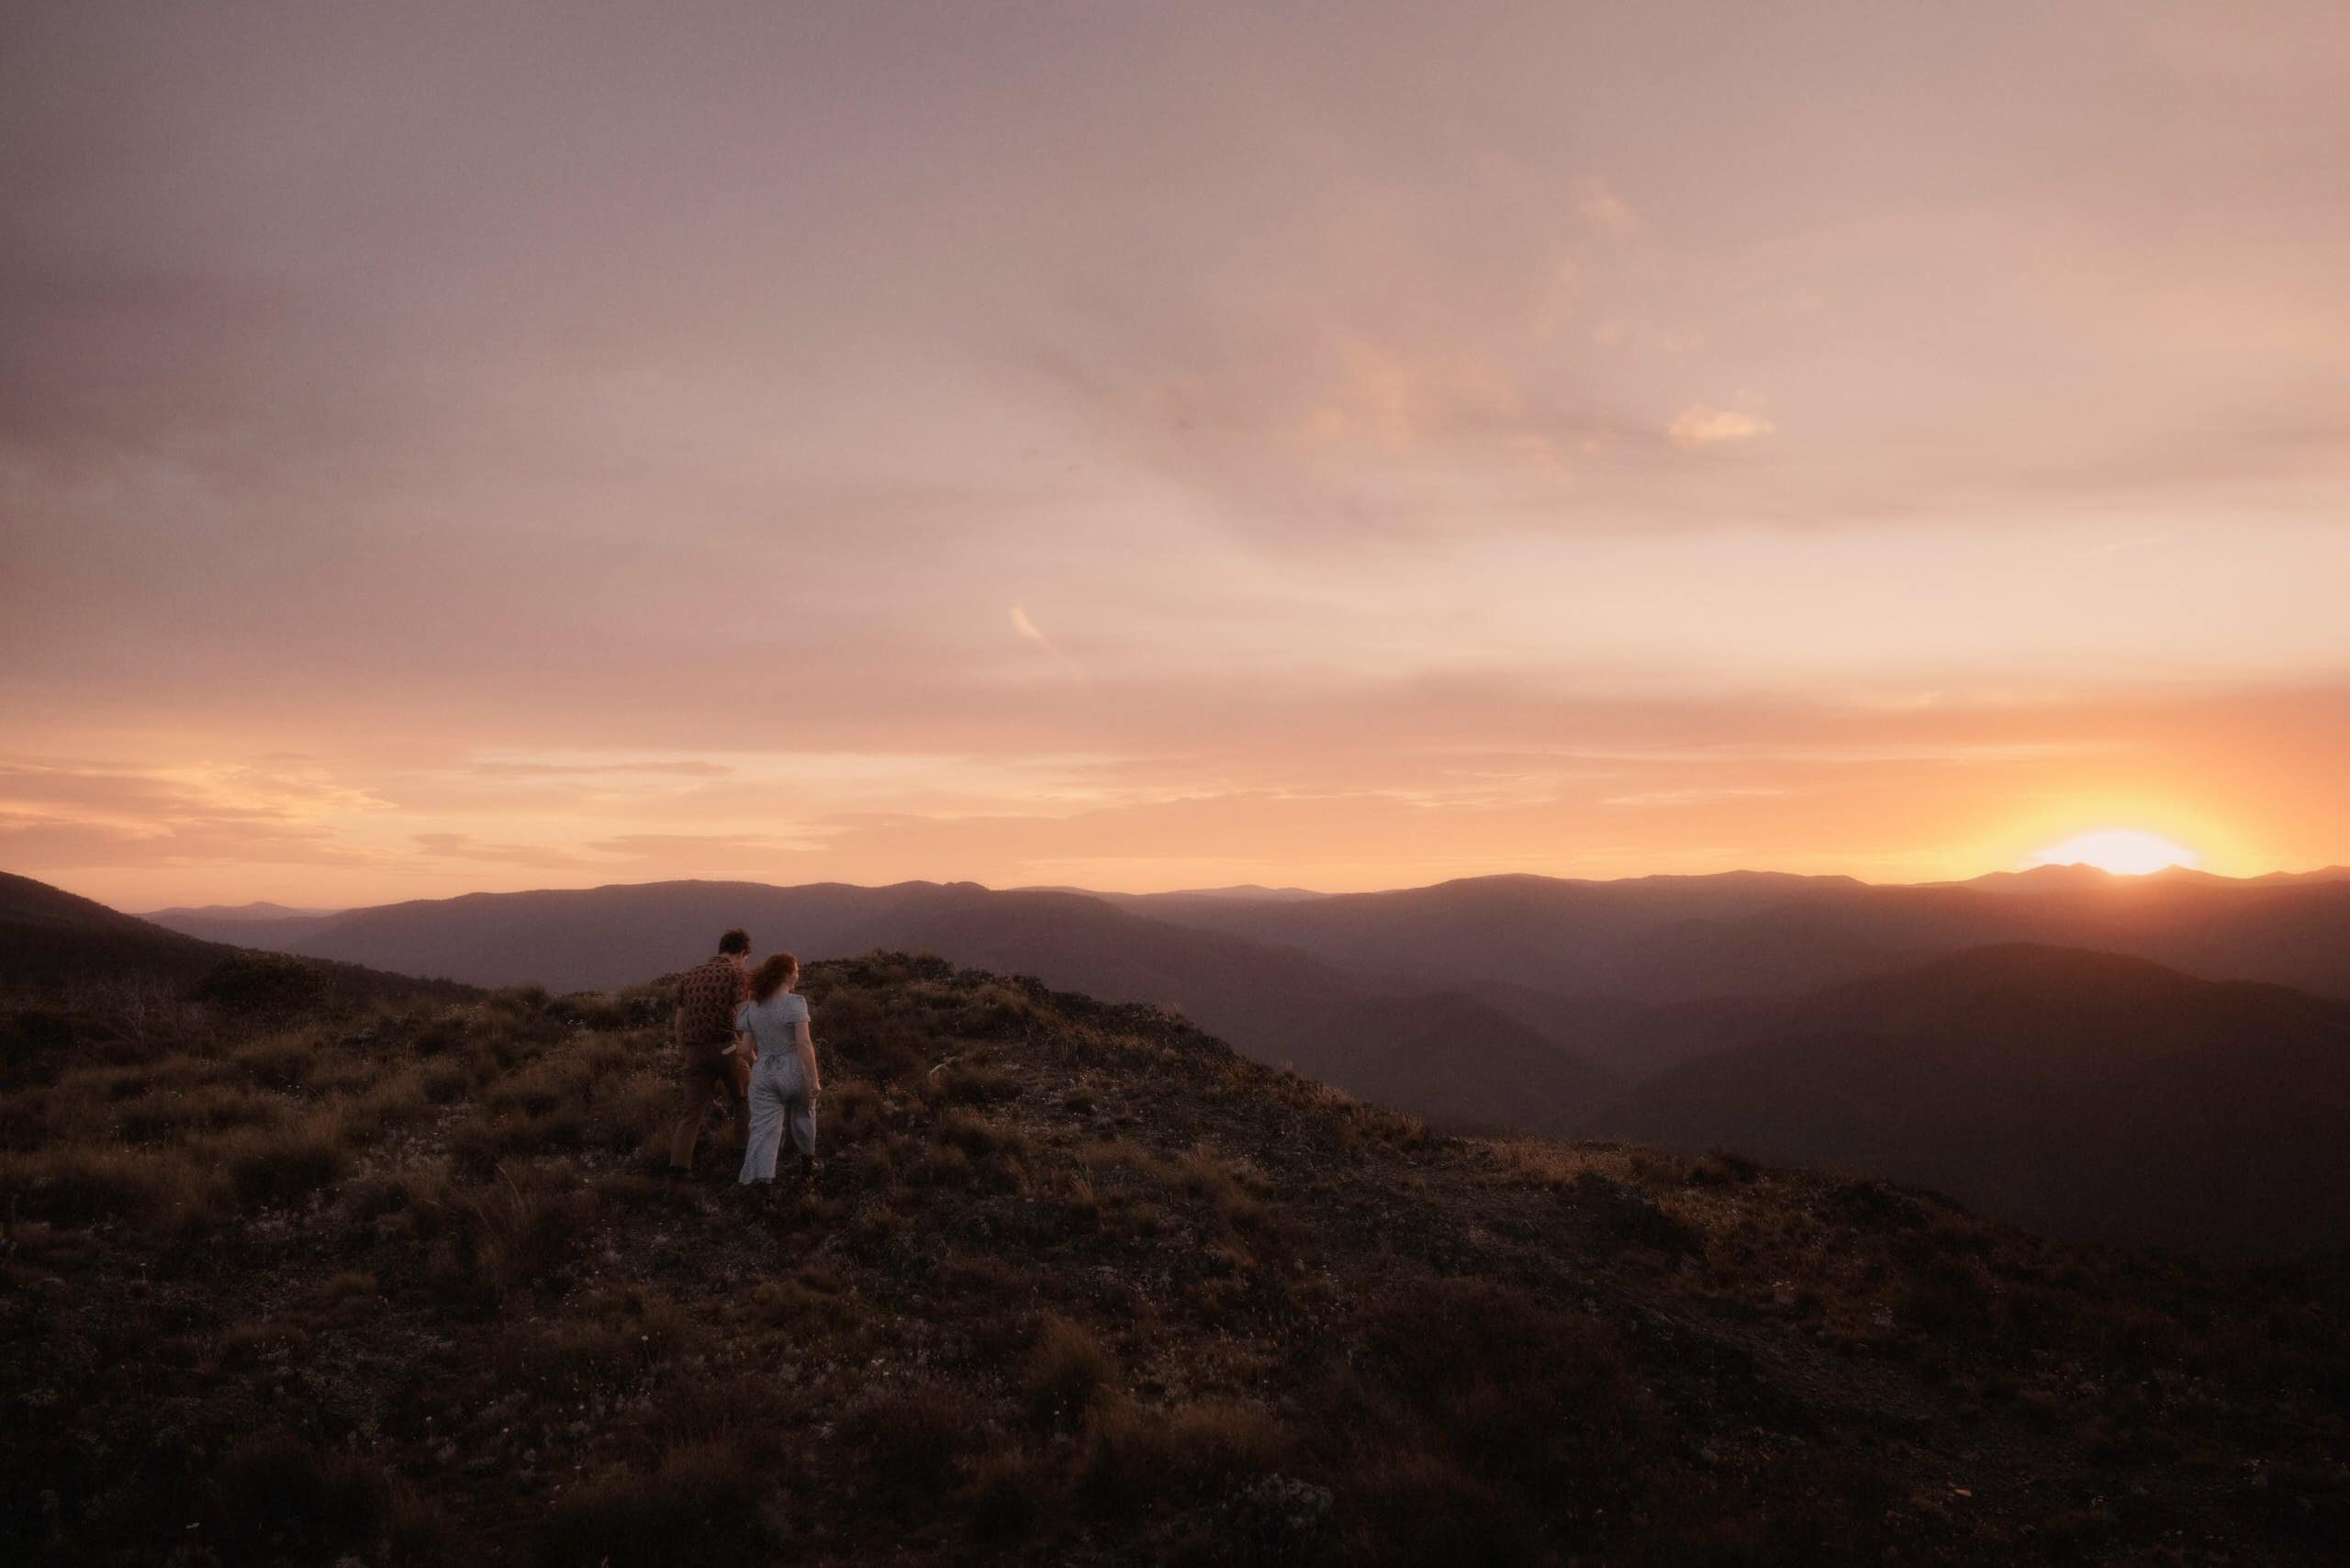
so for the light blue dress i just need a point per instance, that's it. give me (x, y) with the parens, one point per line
(780, 1101)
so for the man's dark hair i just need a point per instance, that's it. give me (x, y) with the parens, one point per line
(736, 941)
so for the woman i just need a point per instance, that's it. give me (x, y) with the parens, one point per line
(784, 1086)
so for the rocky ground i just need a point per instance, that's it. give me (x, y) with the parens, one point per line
(1077, 1284)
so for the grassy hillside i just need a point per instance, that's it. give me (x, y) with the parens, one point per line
(398, 1285)
(54, 943)
(50, 937)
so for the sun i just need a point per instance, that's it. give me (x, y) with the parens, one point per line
(2127, 851)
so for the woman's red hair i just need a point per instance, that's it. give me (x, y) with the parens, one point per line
(773, 976)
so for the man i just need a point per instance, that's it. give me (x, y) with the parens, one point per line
(708, 995)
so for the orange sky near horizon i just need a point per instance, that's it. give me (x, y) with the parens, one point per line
(1162, 447)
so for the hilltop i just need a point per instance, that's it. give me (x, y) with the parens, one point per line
(397, 1284)
(54, 942)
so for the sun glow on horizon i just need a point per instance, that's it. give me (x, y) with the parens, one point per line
(2129, 852)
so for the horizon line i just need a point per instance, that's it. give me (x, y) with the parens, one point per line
(2044, 871)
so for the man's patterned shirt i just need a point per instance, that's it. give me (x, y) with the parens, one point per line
(707, 996)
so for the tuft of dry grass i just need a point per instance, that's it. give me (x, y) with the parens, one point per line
(79, 1185)
(1009, 1493)
(1067, 1370)
(281, 1061)
(973, 1083)
(707, 1502)
(409, 1201)
(1132, 1455)
(274, 1494)
(914, 1439)
(1202, 1173)
(609, 1343)
(281, 1164)
(173, 1116)
(516, 1231)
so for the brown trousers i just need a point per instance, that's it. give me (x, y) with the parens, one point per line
(704, 1070)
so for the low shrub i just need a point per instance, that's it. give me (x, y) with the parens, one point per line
(276, 1061)
(277, 1496)
(445, 1085)
(995, 1008)
(347, 1298)
(419, 1195)
(171, 1117)
(915, 1438)
(559, 1080)
(631, 1107)
(1008, 1492)
(281, 1164)
(1946, 1296)
(563, 1129)
(83, 1185)
(703, 1505)
(515, 1231)
(1625, 1218)
(1423, 1508)
(787, 1303)
(262, 986)
(1489, 1373)
(1876, 1204)
(572, 1359)
(1202, 1174)
(396, 1102)
(974, 1084)
(1068, 1369)
(1133, 1455)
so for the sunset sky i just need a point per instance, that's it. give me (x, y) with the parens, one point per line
(453, 447)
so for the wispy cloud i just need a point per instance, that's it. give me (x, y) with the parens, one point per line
(1598, 204)
(681, 768)
(2122, 546)
(1670, 798)
(1029, 632)
(465, 846)
(68, 811)
(1700, 425)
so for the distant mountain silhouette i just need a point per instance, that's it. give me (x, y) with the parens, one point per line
(2043, 879)
(1249, 891)
(245, 925)
(1683, 939)
(260, 909)
(1627, 978)
(1455, 1058)
(2083, 1093)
